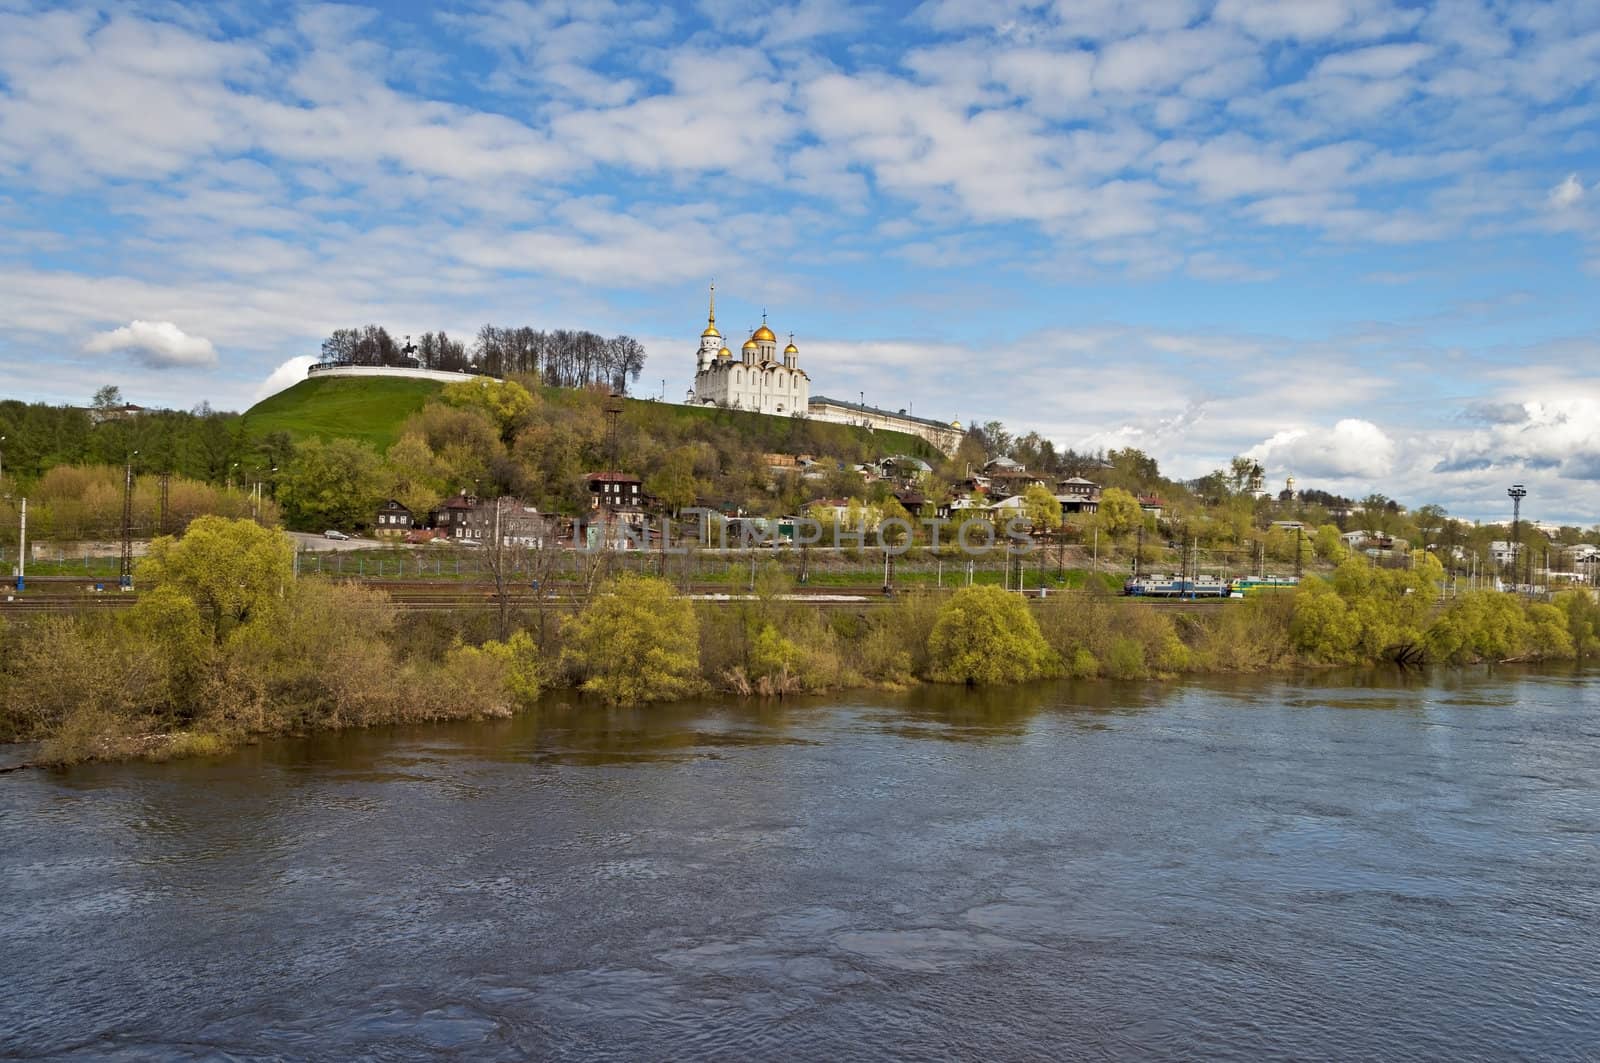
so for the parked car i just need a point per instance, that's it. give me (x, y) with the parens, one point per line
(334, 533)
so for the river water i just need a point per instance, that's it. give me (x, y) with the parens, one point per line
(1361, 868)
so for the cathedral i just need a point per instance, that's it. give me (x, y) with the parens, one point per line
(756, 380)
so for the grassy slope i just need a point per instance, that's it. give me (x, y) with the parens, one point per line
(782, 435)
(370, 409)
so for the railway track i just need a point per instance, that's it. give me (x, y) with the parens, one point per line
(59, 594)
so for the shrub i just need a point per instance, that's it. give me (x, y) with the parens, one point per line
(635, 642)
(985, 635)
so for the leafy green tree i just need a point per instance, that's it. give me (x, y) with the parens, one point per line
(168, 621)
(1329, 546)
(984, 635)
(332, 484)
(1322, 628)
(507, 402)
(232, 570)
(674, 483)
(1041, 508)
(524, 668)
(413, 475)
(1119, 511)
(636, 642)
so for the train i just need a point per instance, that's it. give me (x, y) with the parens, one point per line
(1156, 585)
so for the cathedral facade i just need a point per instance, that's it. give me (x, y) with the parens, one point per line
(758, 379)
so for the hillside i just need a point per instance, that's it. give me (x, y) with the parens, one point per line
(372, 409)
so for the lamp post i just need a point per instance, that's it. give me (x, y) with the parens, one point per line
(1517, 493)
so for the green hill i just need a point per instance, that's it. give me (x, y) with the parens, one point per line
(370, 409)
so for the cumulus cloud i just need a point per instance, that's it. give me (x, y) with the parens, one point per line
(1567, 193)
(1554, 432)
(1352, 449)
(157, 344)
(286, 375)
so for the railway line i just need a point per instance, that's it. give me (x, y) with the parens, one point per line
(62, 594)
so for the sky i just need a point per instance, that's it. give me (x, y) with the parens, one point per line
(1357, 240)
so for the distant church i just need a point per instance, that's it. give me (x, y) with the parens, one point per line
(757, 380)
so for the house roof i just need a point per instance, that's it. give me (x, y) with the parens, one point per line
(1076, 480)
(817, 400)
(612, 478)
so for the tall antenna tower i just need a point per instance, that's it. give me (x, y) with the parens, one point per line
(613, 410)
(1517, 493)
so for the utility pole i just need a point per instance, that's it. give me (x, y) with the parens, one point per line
(126, 574)
(22, 550)
(161, 517)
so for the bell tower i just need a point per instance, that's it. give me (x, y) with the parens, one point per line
(710, 339)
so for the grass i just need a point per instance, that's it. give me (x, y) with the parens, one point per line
(369, 409)
(372, 409)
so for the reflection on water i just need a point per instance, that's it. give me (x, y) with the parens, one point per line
(1366, 865)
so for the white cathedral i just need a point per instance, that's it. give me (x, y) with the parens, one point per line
(756, 380)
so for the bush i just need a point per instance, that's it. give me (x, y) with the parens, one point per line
(635, 642)
(1096, 625)
(984, 635)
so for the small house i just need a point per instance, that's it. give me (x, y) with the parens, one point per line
(615, 490)
(393, 520)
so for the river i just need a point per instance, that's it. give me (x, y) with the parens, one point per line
(1369, 867)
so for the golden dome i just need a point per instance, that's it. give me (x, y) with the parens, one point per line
(711, 330)
(749, 344)
(764, 333)
(955, 424)
(724, 353)
(791, 349)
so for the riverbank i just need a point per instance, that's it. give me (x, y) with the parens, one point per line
(168, 678)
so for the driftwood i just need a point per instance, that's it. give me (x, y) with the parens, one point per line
(1409, 656)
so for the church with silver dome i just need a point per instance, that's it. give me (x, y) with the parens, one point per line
(758, 379)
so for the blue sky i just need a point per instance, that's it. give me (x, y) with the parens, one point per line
(1356, 239)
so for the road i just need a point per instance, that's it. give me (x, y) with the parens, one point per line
(315, 543)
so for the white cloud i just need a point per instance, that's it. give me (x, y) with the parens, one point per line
(157, 344)
(1352, 449)
(1567, 193)
(286, 375)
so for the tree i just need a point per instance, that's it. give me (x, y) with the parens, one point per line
(985, 635)
(233, 570)
(636, 642)
(1329, 545)
(1041, 508)
(108, 397)
(334, 484)
(1376, 515)
(1119, 511)
(507, 403)
(413, 475)
(674, 483)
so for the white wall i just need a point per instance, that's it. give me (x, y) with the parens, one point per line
(391, 370)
